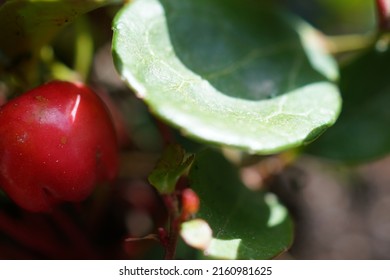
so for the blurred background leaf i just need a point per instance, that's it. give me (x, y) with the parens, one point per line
(245, 224)
(334, 17)
(28, 25)
(362, 131)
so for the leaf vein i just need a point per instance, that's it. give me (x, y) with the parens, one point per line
(249, 58)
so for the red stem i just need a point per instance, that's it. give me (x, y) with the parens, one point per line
(174, 224)
(173, 238)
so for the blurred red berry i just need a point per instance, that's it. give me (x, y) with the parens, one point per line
(190, 202)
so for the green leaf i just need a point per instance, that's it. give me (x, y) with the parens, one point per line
(174, 162)
(362, 131)
(245, 224)
(227, 72)
(27, 25)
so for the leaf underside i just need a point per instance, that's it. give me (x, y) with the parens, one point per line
(218, 72)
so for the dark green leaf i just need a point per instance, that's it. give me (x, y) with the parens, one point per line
(362, 131)
(227, 72)
(174, 162)
(245, 224)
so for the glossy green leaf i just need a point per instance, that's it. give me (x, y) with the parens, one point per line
(174, 162)
(27, 25)
(362, 131)
(227, 72)
(245, 224)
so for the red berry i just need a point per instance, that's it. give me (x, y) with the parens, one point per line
(190, 202)
(57, 142)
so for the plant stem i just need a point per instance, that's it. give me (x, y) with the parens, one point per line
(84, 48)
(349, 43)
(172, 242)
(174, 223)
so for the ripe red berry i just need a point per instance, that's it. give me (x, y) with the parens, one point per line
(57, 142)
